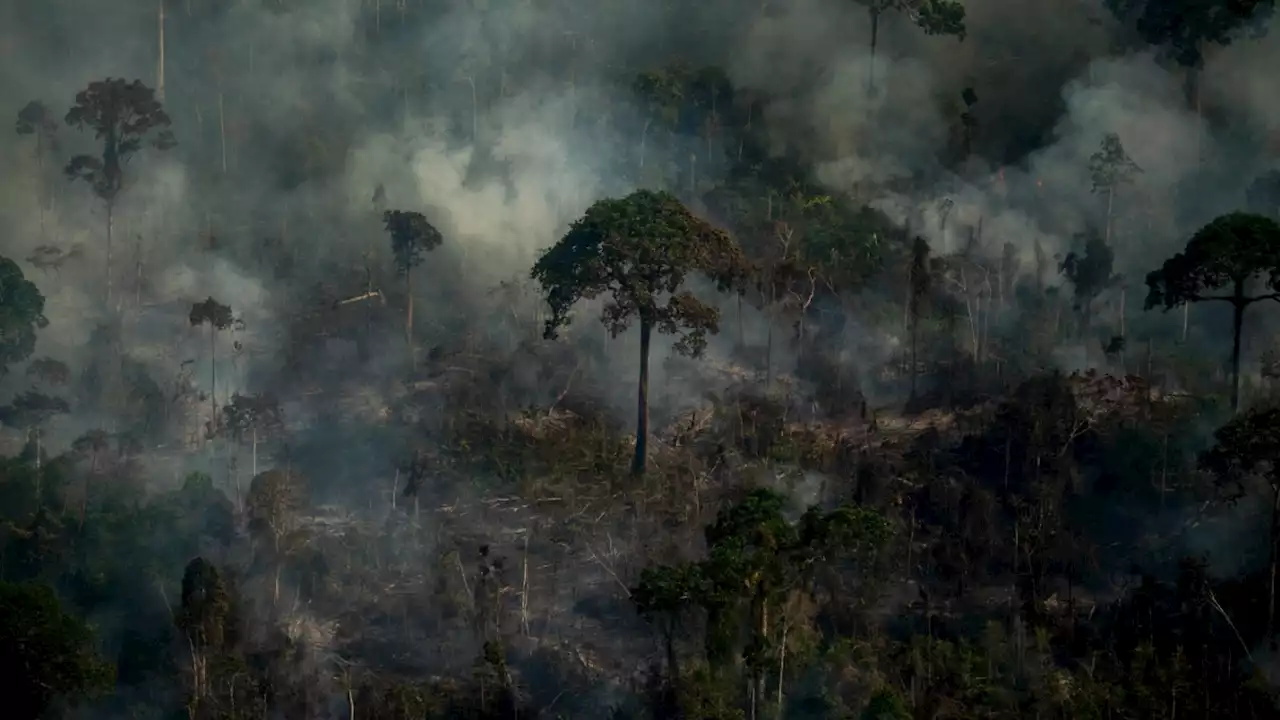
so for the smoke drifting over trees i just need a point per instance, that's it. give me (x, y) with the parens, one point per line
(306, 411)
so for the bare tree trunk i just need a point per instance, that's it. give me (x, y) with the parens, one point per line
(40, 183)
(1237, 325)
(213, 374)
(160, 63)
(137, 280)
(642, 401)
(222, 132)
(1111, 195)
(1123, 298)
(110, 233)
(644, 136)
(408, 320)
(475, 108)
(1273, 559)
(875, 38)
(741, 335)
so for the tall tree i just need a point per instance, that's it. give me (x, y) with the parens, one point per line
(250, 417)
(934, 17)
(1249, 447)
(756, 559)
(21, 314)
(1184, 29)
(1230, 253)
(30, 411)
(204, 619)
(218, 317)
(1089, 273)
(412, 237)
(122, 115)
(37, 120)
(968, 121)
(639, 250)
(273, 506)
(1111, 168)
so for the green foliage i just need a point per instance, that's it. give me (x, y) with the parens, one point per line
(639, 250)
(1184, 28)
(667, 590)
(35, 118)
(273, 502)
(32, 409)
(940, 17)
(1110, 167)
(48, 371)
(21, 314)
(886, 705)
(205, 612)
(252, 417)
(412, 237)
(663, 91)
(1089, 272)
(756, 561)
(122, 115)
(934, 17)
(1223, 254)
(45, 652)
(1248, 444)
(211, 312)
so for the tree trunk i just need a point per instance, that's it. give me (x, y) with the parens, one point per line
(762, 632)
(475, 109)
(1273, 559)
(110, 233)
(40, 181)
(1111, 196)
(875, 39)
(644, 136)
(742, 343)
(255, 452)
(1123, 296)
(1237, 324)
(160, 63)
(768, 344)
(673, 661)
(1191, 86)
(222, 132)
(213, 373)
(915, 334)
(408, 319)
(642, 401)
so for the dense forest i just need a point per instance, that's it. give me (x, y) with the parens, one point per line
(493, 359)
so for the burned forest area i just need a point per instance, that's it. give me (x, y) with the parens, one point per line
(623, 360)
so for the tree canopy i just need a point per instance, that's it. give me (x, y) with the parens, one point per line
(640, 250)
(1184, 28)
(21, 314)
(1229, 251)
(123, 115)
(45, 652)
